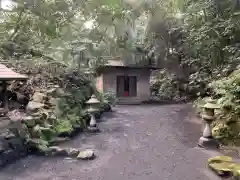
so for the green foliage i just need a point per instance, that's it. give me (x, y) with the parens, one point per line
(57, 30)
(226, 92)
(203, 41)
(63, 126)
(40, 144)
(166, 86)
(212, 33)
(47, 134)
(77, 118)
(110, 98)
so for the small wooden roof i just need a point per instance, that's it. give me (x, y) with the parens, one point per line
(115, 63)
(6, 74)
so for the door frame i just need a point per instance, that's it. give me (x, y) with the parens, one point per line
(117, 85)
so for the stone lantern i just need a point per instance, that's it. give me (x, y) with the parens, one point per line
(93, 103)
(208, 116)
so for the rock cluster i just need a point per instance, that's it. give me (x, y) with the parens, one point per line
(37, 125)
(44, 122)
(40, 128)
(87, 154)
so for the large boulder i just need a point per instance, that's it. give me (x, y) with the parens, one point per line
(87, 154)
(33, 106)
(39, 97)
(224, 166)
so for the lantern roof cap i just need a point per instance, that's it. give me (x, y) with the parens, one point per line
(93, 100)
(211, 104)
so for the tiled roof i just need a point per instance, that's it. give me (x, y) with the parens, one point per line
(115, 62)
(118, 62)
(8, 74)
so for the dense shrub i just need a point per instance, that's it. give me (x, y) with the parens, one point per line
(226, 92)
(110, 98)
(167, 86)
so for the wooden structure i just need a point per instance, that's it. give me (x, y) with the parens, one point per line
(6, 75)
(129, 82)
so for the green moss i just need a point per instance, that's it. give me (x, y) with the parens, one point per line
(224, 165)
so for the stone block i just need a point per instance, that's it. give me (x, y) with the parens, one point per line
(30, 121)
(73, 152)
(57, 151)
(33, 107)
(87, 154)
(39, 97)
(52, 101)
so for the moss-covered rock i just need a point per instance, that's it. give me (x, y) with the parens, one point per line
(224, 166)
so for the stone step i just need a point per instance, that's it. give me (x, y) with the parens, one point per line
(128, 100)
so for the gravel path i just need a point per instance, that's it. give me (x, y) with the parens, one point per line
(136, 143)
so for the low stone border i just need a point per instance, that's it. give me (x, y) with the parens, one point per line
(87, 154)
